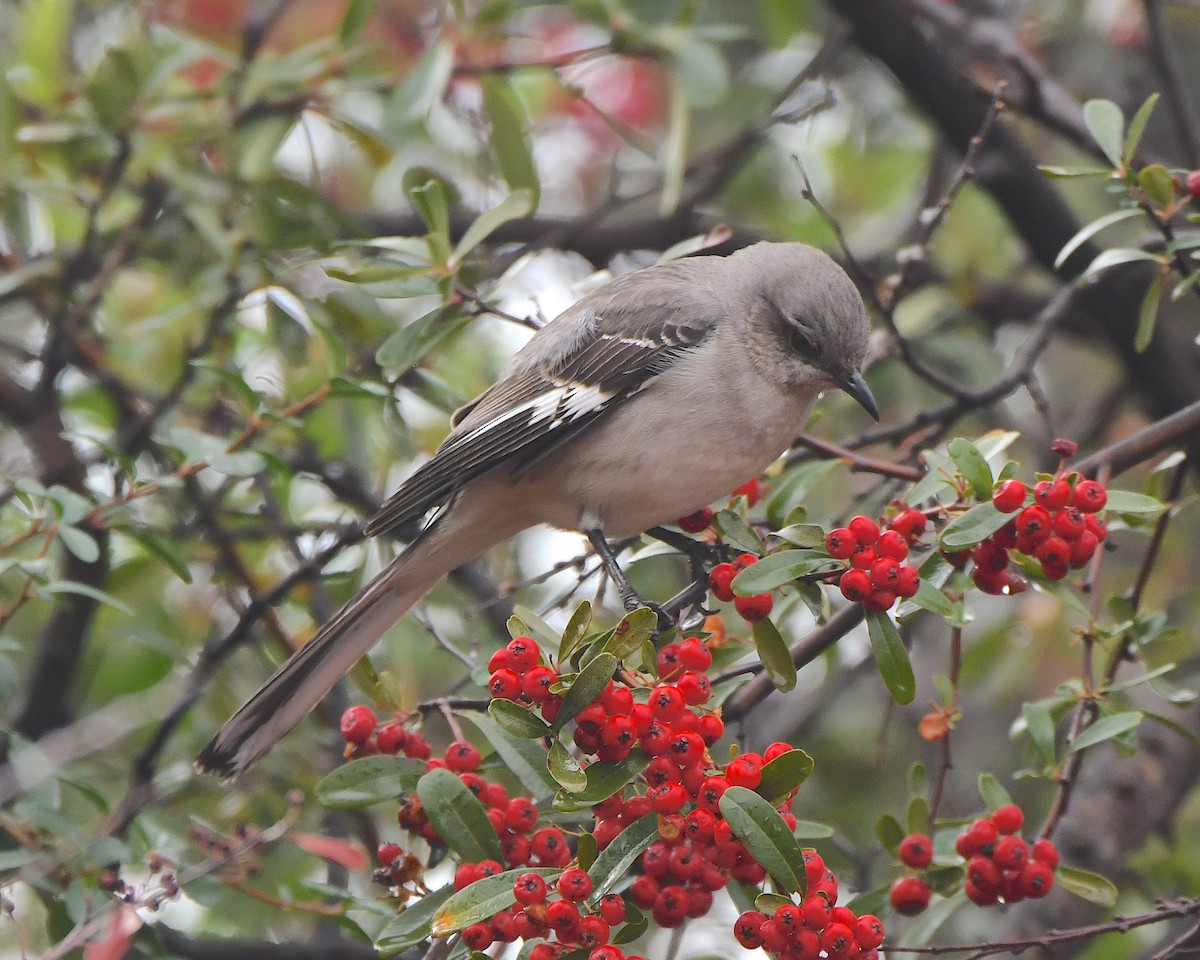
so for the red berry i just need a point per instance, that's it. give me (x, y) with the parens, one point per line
(777, 749)
(617, 737)
(1089, 496)
(869, 931)
(521, 815)
(884, 573)
(865, 530)
(1008, 819)
(863, 558)
(575, 885)
(644, 891)
(817, 912)
(916, 851)
(521, 653)
(1044, 851)
(550, 847)
(908, 582)
(478, 936)
(504, 684)
(536, 683)
(1036, 879)
(840, 543)
(741, 773)
(989, 557)
(562, 915)
(1193, 184)
(593, 932)
(606, 951)
(695, 687)
(838, 941)
(719, 580)
(752, 490)
(709, 796)
(1009, 496)
(711, 728)
(1083, 549)
(462, 756)
(694, 655)
(977, 838)
(358, 723)
(686, 748)
(1011, 853)
(667, 797)
(814, 867)
(529, 888)
(983, 896)
(879, 600)
(670, 906)
(696, 522)
(891, 544)
(984, 874)
(855, 585)
(909, 523)
(1054, 554)
(745, 560)
(1052, 494)
(616, 698)
(910, 896)
(668, 660)
(391, 738)
(1069, 524)
(667, 703)
(755, 607)
(612, 909)
(747, 927)
(388, 853)
(1033, 525)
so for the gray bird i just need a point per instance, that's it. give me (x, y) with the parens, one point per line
(648, 399)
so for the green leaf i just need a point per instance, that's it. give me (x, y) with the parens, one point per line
(510, 136)
(358, 12)
(806, 535)
(615, 860)
(604, 778)
(635, 628)
(1105, 729)
(422, 88)
(774, 654)
(1059, 172)
(412, 925)
(517, 720)
(565, 769)
(972, 465)
(777, 569)
(458, 816)
(1040, 725)
(994, 795)
(891, 657)
(517, 204)
(1090, 886)
(586, 687)
(1116, 257)
(525, 759)
(369, 780)
(575, 632)
(408, 346)
(83, 590)
(431, 203)
(1156, 182)
(674, 151)
(1136, 126)
(635, 926)
(811, 830)
(972, 527)
(1106, 125)
(917, 815)
(482, 900)
(928, 597)
(81, 544)
(1091, 229)
(1133, 504)
(768, 838)
(1148, 313)
(783, 775)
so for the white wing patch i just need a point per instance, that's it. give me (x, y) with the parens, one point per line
(556, 407)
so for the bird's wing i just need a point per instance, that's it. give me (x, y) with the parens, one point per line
(614, 343)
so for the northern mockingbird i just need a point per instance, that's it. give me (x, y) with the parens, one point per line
(648, 399)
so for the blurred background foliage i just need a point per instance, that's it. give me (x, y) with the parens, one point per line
(252, 255)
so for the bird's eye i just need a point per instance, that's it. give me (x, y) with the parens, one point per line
(800, 340)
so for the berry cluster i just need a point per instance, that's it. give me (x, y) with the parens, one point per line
(1000, 866)
(876, 574)
(1057, 524)
(720, 579)
(366, 736)
(812, 928)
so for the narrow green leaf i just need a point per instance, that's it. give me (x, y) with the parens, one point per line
(994, 795)
(1062, 173)
(635, 926)
(358, 12)
(1040, 725)
(1105, 729)
(774, 654)
(1116, 257)
(458, 816)
(517, 720)
(525, 759)
(510, 135)
(783, 775)
(412, 925)
(369, 780)
(587, 850)
(891, 656)
(575, 632)
(811, 830)
(1148, 313)
(1136, 126)
(1092, 887)
(1185, 285)
(917, 815)
(615, 860)
(164, 548)
(1090, 230)
(928, 597)
(674, 153)
(482, 900)
(565, 769)
(83, 590)
(432, 204)
(635, 628)
(768, 838)
(1174, 725)
(517, 204)
(972, 465)
(408, 346)
(777, 569)
(972, 527)
(586, 687)
(806, 535)
(1106, 125)
(422, 88)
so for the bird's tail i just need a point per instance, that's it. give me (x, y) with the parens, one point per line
(313, 670)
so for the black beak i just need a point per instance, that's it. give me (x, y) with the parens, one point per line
(857, 387)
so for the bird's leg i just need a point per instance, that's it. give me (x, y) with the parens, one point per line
(630, 598)
(701, 555)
